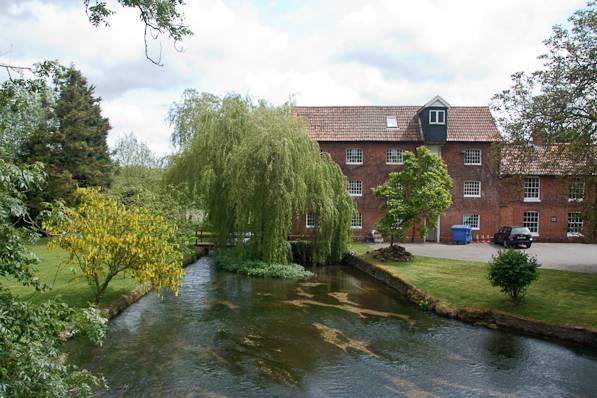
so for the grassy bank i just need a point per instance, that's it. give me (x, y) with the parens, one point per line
(558, 297)
(67, 286)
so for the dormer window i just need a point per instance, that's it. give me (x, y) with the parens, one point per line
(437, 116)
(391, 122)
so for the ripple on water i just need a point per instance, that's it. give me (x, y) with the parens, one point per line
(338, 335)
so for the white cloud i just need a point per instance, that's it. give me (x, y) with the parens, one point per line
(333, 52)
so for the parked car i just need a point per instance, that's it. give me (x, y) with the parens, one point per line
(513, 236)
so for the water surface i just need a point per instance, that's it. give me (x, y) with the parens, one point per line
(340, 334)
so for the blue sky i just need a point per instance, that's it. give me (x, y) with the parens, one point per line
(341, 52)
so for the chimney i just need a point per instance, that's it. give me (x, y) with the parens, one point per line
(538, 135)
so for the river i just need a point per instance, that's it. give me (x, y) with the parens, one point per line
(339, 334)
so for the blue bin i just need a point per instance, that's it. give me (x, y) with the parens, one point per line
(462, 234)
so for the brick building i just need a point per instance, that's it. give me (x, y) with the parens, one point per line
(537, 190)
(368, 142)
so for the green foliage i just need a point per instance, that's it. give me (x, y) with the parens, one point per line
(558, 104)
(159, 17)
(229, 260)
(513, 271)
(31, 361)
(105, 239)
(254, 170)
(559, 100)
(417, 194)
(75, 153)
(138, 183)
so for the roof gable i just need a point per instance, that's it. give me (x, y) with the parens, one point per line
(437, 101)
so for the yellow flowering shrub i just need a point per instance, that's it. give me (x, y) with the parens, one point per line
(105, 239)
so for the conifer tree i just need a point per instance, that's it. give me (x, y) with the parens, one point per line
(75, 152)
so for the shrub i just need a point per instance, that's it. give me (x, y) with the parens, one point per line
(230, 261)
(513, 271)
(105, 239)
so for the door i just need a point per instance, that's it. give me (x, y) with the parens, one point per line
(433, 233)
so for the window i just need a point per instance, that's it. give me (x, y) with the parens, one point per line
(472, 220)
(577, 191)
(391, 122)
(472, 189)
(531, 221)
(472, 157)
(437, 117)
(531, 189)
(310, 220)
(394, 156)
(354, 156)
(574, 224)
(357, 221)
(355, 188)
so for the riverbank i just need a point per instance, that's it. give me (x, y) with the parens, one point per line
(559, 305)
(72, 288)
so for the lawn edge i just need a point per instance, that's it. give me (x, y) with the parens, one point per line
(489, 318)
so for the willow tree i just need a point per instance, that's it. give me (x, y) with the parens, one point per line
(255, 171)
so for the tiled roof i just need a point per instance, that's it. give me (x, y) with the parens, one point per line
(368, 123)
(537, 160)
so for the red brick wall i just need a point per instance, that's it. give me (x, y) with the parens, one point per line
(501, 201)
(553, 208)
(487, 206)
(373, 172)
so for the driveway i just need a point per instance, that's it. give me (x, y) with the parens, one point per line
(564, 256)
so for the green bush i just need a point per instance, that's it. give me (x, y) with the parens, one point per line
(513, 271)
(232, 262)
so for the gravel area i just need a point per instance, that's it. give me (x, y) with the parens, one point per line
(576, 257)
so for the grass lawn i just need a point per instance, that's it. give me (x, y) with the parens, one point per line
(68, 286)
(558, 297)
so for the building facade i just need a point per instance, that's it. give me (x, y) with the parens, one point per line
(368, 142)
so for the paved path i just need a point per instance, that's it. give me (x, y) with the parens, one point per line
(576, 257)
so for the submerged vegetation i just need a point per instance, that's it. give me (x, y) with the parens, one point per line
(253, 170)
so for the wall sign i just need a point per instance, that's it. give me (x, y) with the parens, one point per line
(554, 219)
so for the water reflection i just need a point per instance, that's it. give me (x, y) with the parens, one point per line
(339, 334)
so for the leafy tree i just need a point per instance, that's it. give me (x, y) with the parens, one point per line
(254, 169)
(558, 103)
(76, 152)
(158, 16)
(417, 194)
(132, 152)
(105, 239)
(24, 104)
(32, 363)
(138, 183)
(513, 271)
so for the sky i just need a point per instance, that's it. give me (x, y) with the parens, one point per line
(336, 52)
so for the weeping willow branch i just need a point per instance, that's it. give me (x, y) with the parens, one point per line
(256, 172)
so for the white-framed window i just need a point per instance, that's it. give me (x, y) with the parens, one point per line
(355, 188)
(437, 116)
(577, 190)
(310, 220)
(574, 224)
(472, 189)
(394, 156)
(472, 220)
(354, 156)
(472, 157)
(531, 221)
(532, 187)
(357, 221)
(391, 122)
